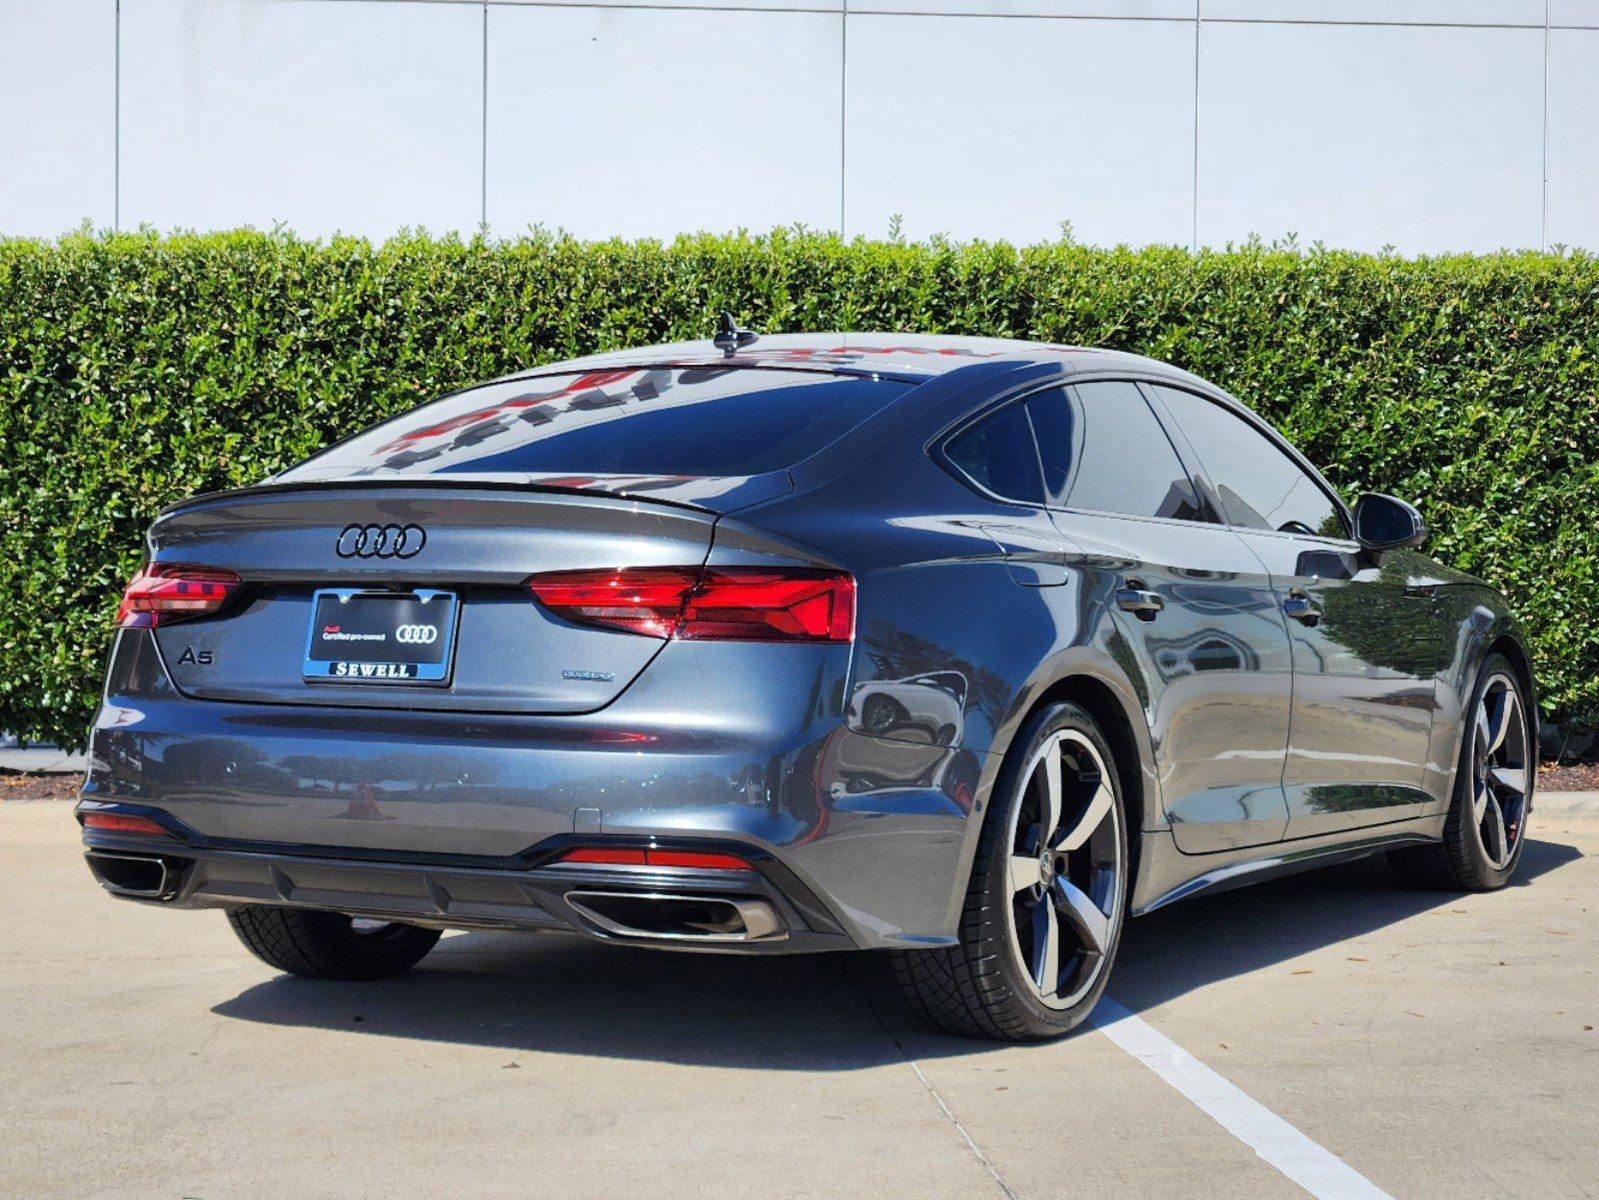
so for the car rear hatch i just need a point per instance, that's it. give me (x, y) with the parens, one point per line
(415, 597)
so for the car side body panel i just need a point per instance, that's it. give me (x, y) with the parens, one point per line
(1214, 662)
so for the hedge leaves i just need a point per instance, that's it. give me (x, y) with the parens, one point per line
(136, 369)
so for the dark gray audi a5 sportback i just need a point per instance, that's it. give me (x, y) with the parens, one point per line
(962, 649)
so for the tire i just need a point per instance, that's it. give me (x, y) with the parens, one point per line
(987, 985)
(324, 945)
(1466, 859)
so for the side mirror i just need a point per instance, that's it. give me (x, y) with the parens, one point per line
(1385, 523)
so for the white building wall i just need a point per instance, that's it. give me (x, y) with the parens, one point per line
(1425, 125)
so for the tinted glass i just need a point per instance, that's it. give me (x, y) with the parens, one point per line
(999, 454)
(715, 422)
(1260, 486)
(1384, 521)
(1104, 451)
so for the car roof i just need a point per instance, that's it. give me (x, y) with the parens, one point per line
(910, 357)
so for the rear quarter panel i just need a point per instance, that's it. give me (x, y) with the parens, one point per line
(936, 598)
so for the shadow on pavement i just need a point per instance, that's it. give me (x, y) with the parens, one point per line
(1209, 938)
(825, 1012)
(561, 993)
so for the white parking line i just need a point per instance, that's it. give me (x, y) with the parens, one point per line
(1311, 1166)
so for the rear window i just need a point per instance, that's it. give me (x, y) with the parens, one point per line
(637, 421)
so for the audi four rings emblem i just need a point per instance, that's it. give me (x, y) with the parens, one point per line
(417, 635)
(381, 541)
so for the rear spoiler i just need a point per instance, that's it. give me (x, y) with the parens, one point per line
(717, 495)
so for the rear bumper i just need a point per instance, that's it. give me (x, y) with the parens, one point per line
(780, 914)
(712, 746)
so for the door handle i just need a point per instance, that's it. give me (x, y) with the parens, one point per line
(1298, 606)
(1143, 604)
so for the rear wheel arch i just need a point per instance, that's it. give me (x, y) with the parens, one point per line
(1123, 726)
(1053, 845)
(1509, 645)
(1093, 682)
(1492, 787)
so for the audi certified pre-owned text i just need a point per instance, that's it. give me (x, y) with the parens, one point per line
(967, 650)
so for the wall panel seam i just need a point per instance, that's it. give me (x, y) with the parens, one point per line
(483, 162)
(1543, 188)
(116, 117)
(843, 121)
(1199, 18)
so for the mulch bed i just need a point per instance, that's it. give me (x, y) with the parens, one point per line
(23, 785)
(1576, 777)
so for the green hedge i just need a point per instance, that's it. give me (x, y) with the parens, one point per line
(135, 369)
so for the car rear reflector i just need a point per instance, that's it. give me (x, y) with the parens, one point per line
(727, 604)
(702, 859)
(620, 856)
(162, 593)
(120, 823)
(596, 854)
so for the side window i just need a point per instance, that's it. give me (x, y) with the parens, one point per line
(1260, 486)
(1103, 450)
(999, 454)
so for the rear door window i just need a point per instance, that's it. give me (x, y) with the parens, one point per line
(1104, 451)
(632, 421)
(999, 455)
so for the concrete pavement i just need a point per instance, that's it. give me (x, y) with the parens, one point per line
(1440, 1046)
(44, 760)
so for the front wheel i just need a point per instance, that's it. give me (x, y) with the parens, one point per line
(324, 945)
(1047, 898)
(1487, 823)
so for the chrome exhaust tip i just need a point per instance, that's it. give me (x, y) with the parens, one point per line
(138, 876)
(661, 916)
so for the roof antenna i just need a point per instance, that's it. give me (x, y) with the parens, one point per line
(730, 339)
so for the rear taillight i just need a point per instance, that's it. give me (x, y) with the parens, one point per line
(728, 604)
(162, 593)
